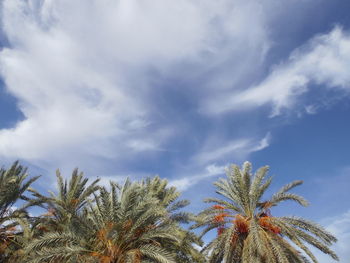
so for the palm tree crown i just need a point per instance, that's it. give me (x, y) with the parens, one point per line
(134, 222)
(14, 220)
(246, 230)
(143, 222)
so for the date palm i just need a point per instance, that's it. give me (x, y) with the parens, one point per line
(65, 206)
(14, 220)
(248, 232)
(168, 198)
(129, 223)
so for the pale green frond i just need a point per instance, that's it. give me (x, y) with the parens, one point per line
(289, 186)
(256, 191)
(226, 204)
(276, 199)
(157, 254)
(311, 227)
(259, 237)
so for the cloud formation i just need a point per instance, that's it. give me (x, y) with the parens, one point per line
(340, 227)
(323, 61)
(238, 149)
(184, 183)
(87, 74)
(115, 80)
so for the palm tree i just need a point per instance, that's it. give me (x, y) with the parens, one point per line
(129, 223)
(14, 220)
(246, 230)
(168, 197)
(65, 206)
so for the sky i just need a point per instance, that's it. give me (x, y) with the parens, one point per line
(181, 89)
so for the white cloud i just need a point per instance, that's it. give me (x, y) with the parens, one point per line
(186, 182)
(80, 70)
(340, 227)
(237, 149)
(311, 109)
(324, 61)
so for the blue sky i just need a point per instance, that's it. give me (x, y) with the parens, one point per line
(136, 88)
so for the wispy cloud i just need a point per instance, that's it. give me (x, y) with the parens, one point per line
(94, 80)
(84, 72)
(324, 61)
(237, 149)
(339, 226)
(186, 182)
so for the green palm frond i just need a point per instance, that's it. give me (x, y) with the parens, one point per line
(14, 217)
(247, 232)
(133, 222)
